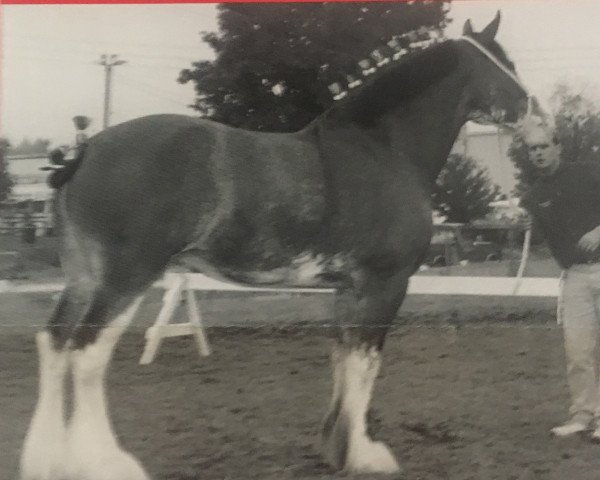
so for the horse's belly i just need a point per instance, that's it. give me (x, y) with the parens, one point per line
(307, 269)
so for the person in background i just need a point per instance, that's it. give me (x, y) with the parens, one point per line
(564, 203)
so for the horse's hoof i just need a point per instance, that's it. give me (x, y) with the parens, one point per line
(367, 456)
(119, 465)
(41, 460)
(40, 471)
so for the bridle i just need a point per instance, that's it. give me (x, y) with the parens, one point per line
(502, 67)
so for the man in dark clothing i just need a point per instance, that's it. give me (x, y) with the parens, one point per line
(565, 205)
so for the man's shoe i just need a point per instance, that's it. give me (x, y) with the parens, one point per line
(571, 428)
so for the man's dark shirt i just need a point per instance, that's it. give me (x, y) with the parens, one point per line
(565, 206)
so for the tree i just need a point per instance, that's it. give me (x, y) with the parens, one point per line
(576, 129)
(6, 182)
(577, 123)
(274, 61)
(28, 147)
(464, 190)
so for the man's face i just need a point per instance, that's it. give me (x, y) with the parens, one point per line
(544, 155)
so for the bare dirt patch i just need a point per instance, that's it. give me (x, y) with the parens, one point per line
(469, 390)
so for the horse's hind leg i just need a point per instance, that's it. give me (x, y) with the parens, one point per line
(43, 455)
(81, 335)
(44, 448)
(92, 448)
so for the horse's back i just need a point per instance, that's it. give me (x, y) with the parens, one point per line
(150, 140)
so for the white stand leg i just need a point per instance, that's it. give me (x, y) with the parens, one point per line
(155, 333)
(196, 322)
(162, 328)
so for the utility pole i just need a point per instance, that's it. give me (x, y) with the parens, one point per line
(108, 62)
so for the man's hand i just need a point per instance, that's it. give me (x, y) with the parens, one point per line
(527, 222)
(590, 241)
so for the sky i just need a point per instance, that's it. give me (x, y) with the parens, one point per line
(50, 72)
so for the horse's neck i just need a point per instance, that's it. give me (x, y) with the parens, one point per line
(425, 128)
(422, 129)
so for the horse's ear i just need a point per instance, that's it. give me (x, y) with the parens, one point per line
(468, 28)
(489, 32)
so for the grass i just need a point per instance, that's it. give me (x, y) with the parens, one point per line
(539, 264)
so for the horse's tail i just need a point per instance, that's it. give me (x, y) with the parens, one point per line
(61, 176)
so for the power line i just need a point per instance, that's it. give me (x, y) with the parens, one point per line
(153, 46)
(555, 49)
(45, 59)
(152, 90)
(71, 52)
(74, 61)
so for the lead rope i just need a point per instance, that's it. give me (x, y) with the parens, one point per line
(527, 238)
(560, 302)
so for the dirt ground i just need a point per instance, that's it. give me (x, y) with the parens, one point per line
(469, 390)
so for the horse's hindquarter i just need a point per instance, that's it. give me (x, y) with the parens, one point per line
(142, 187)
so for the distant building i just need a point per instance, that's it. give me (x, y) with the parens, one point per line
(30, 201)
(488, 146)
(29, 181)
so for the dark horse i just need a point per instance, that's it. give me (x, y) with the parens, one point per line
(345, 202)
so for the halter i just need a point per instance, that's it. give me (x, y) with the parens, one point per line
(502, 67)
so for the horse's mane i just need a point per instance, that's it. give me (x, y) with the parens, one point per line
(396, 83)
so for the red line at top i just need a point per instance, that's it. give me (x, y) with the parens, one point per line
(122, 2)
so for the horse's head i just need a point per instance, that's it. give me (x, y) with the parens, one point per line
(495, 94)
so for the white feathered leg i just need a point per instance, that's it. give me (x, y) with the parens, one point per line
(43, 455)
(347, 442)
(93, 450)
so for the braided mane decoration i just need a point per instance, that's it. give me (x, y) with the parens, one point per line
(395, 49)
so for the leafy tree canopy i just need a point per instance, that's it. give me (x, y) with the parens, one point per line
(271, 57)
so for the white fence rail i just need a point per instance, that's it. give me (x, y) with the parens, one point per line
(419, 285)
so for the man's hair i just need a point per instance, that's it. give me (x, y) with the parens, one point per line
(534, 129)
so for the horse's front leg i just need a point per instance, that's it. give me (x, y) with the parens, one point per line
(365, 315)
